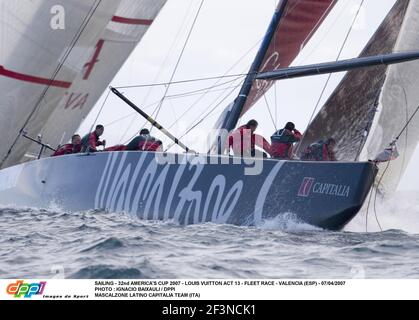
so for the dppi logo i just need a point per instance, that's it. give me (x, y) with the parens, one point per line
(27, 290)
(305, 187)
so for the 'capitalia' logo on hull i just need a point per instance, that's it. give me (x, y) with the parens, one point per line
(310, 186)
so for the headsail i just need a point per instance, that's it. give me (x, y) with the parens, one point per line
(295, 27)
(85, 67)
(371, 106)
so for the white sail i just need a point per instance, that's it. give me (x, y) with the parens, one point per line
(108, 32)
(398, 102)
(35, 72)
(371, 106)
(118, 40)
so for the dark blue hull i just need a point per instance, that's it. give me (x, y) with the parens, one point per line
(191, 189)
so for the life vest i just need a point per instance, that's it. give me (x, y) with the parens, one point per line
(243, 142)
(67, 149)
(90, 142)
(314, 152)
(149, 145)
(282, 141)
(119, 147)
(318, 151)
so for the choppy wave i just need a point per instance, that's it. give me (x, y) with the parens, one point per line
(57, 244)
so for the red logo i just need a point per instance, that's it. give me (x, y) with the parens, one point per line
(306, 187)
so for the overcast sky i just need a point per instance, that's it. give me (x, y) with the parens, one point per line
(224, 40)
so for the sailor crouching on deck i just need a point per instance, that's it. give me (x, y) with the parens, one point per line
(145, 142)
(283, 140)
(243, 141)
(69, 148)
(90, 141)
(320, 151)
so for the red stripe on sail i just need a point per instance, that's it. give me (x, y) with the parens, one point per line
(142, 22)
(33, 79)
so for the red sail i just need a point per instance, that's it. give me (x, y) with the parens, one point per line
(299, 23)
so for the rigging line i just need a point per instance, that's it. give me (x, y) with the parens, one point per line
(187, 95)
(171, 97)
(179, 59)
(376, 192)
(173, 109)
(219, 79)
(119, 119)
(270, 113)
(217, 105)
(242, 75)
(200, 98)
(407, 130)
(408, 123)
(131, 114)
(276, 104)
(207, 89)
(330, 75)
(368, 207)
(143, 126)
(161, 68)
(215, 102)
(205, 79)
(161, 84)
(100, 111)
(207, 115)
(55, 73)
(370, 120)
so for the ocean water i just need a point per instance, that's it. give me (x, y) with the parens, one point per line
(51, 243)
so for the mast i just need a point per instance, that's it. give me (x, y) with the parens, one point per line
(240, 101)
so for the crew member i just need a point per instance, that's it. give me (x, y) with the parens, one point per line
(91, 141)
(243, 141)
(69, 148)
(320, 151)
(283, 140)
(145, 142)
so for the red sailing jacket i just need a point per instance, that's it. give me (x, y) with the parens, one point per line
(149, 145)
(319, 151)
(91, 140)
(248, 141)
(67, 149)
(282, 142)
